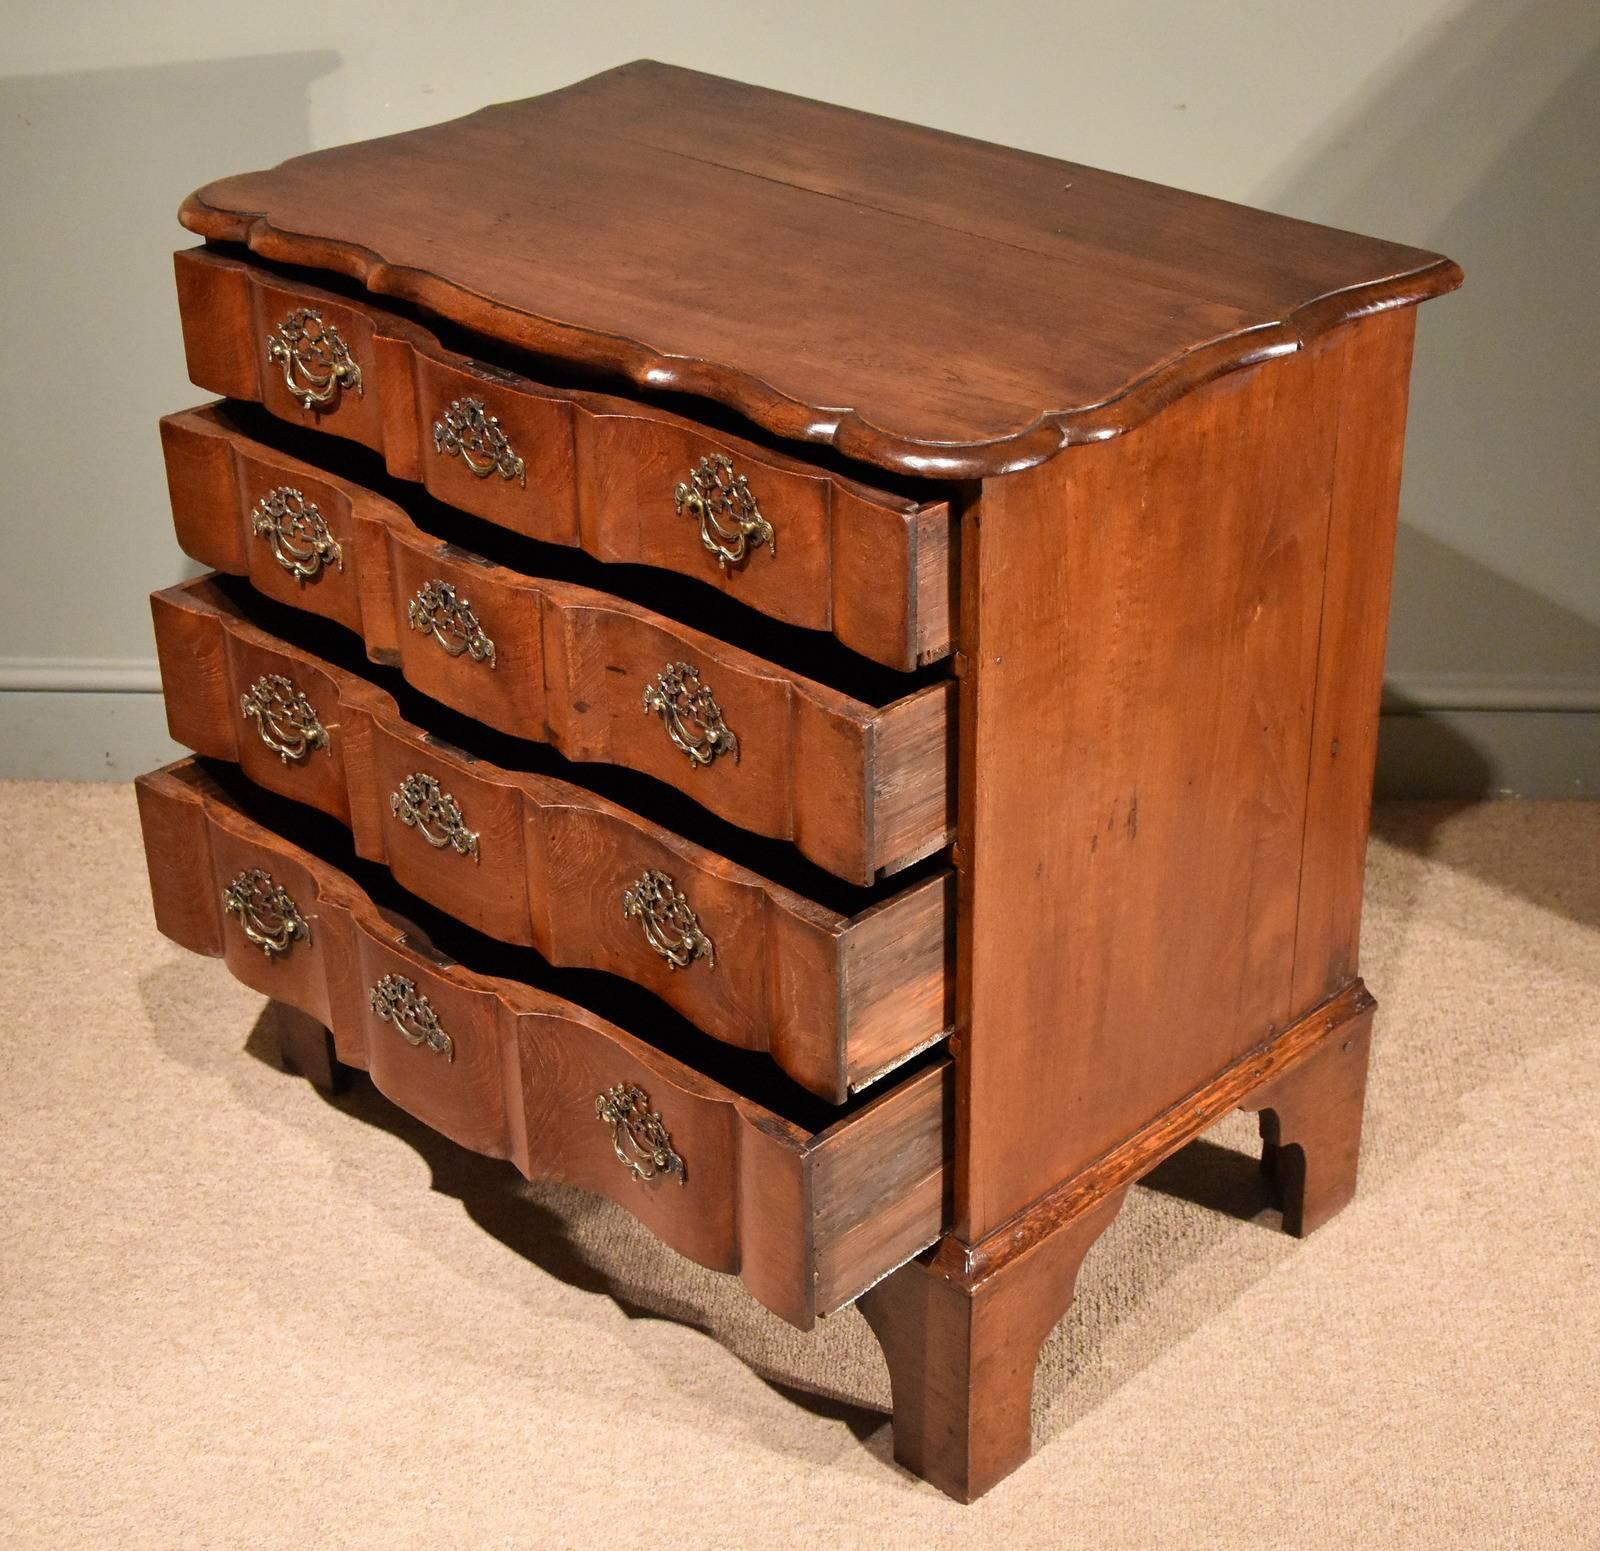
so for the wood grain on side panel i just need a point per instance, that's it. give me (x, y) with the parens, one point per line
(1137, 724)
(881, 1185)
(1355, 620)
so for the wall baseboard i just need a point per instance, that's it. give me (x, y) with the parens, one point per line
(81, 675)
(1444, 753)
(82, 735)
(67, 733)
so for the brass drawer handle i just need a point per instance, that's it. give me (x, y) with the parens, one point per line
(690, 714)
(312, 351)
(396, 1000)
(670, 926)
(297, 533)
(285, 719)
(422, 805)
(265, 912)
(725, 507)
(638, 1137)
(436, 610)
(468, 431)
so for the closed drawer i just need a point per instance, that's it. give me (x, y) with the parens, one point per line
(858, 787)
(749, 1175)
(837, 998)
(623, 481)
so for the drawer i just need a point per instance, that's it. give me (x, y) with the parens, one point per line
(749, 1174)
(858, 787)
(624, 481)
(837, 998)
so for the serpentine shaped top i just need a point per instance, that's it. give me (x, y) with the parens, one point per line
(930, 304)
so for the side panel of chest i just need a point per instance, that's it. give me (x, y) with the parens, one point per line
(1147, 627)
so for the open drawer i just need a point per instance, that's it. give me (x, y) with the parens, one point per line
(838, 992)
(724, 1160)
(622, 480)
(857, 778)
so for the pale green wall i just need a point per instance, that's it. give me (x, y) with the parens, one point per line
(1471, 126)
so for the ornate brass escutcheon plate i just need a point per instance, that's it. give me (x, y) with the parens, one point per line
(285, 719)
(265, 912)
(467, 430)
(422, 804)
(723, 504)
(437, 611)
(396, 1000)
(670, 927)
(638, 1137)
(690, 713)
(316, 362)
(295, 529)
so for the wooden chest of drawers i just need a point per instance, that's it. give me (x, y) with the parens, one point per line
(814, 677)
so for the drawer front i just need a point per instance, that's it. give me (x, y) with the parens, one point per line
(622, 481)
(808, 1218)
(837, 1000)
(857, 788)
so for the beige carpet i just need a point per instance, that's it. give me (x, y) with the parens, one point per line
(236, 1314)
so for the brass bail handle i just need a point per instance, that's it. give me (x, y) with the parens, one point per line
(316, 362)
(266, 913)
(297, 533)
(690, 714)
(423, 805)
(638, 1137)
(725, 507)
(438, 611)
(467, 430)
(396, 1000)
(670, 926)
(285, 720)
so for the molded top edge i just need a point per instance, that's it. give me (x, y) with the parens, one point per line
(935, 306)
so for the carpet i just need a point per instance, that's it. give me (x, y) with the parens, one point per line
(238, 1314)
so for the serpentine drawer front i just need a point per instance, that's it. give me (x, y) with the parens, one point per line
(858, 787)
(610, 476)
(814, 676)
(838, 1000)
(516, 1073)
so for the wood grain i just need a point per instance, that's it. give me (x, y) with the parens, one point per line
(922, 302)
(962, 1358)
(571, 665)
(896, 1153)
(837, 1000)
(1254, 1075)
(598, 472)
(1145, 449)
(961, 1326)
(1364, 511)
(1137, 724)
(526, 1066)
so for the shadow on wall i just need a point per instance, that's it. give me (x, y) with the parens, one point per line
(92, 167)
(1481, 143)
(1449, 732)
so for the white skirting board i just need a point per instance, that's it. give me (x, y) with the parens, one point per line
(100, 735)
